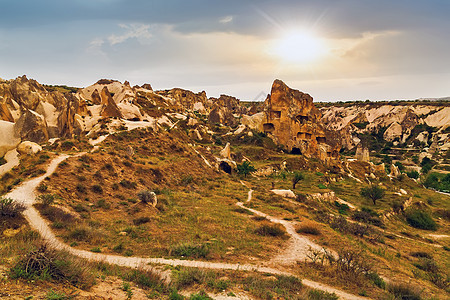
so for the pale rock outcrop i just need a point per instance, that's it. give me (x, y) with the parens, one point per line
(28, 147)
(8, 138)
(395, 172)
(129, 151)
(394, 131)
(226, 152)
(254, 121)
(284, 193)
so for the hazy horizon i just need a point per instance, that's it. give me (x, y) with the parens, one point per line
(333, 50)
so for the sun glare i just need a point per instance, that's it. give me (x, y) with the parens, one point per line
(299, 47)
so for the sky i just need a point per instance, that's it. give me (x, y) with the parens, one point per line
(335, 50)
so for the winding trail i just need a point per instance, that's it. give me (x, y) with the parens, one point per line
(25, 193)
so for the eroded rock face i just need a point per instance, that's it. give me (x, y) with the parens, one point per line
(362, 153)
(292, 120)
(28, 147)
(8, 139)
(109, 108)
(31, 127)
(184, 99)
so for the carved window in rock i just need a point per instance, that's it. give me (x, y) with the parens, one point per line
(303, 136)
(183, 95)
(321, 139)
(275, 114)
(302, 119)
(268, 127)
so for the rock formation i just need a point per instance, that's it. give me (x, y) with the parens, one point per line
(293, 121)
(362, 153)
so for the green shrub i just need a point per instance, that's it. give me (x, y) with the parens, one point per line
(321, 295)
(52, 295)
(128, 184)
(271, 230)
(96, 250)
(413, 174)
(242, 210)
(42, 187)
(342, 208)
(46, 199)
(420, 219)
(376, 279)
(322, 186)
(103, 204)
(190, 250)
(245, 168)
(297, 177)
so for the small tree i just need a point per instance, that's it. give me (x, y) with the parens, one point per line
(297, 177)
(373, 193)
(245, 168)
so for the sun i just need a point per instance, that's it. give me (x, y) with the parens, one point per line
(299, 47)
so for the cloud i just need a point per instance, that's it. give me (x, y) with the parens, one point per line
(226, 19)
(95, 47)
(140, 32)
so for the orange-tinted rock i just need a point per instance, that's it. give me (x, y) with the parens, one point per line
(184, 99)
(96, 97)
(109, 108)
(31, 127)
(292, 120)
(5, 114)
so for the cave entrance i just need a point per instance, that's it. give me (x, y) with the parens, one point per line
(296, 151)
(321, 139)
(302, 119)
(268, 127)
(224, 166)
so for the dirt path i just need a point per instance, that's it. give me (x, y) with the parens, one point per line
(12, 160)
(26, 193)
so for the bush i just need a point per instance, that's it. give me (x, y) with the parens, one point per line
(97, 189)
(147, 196)
(128, 184)
(80, 188)
(368, 216)
(309, 229)
(404, 291)
(420, 219)
(46, 199)
(321, 295)
(10, 208)
(376, 279)
(413, 174)
(190, 250)
(42, 187)
(47, 264)
(141, 220)
(271, 230)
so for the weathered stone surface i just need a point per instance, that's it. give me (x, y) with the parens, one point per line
(222, 115)
(292, 120)
(394, 131)
(254, 121)
(5, 113)
(184, 99)
(31, 127)
(28, 147)
(96, 97)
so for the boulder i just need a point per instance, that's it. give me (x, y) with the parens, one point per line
(8, 139)
(129, 151)
(28, 147)
(395, 172)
